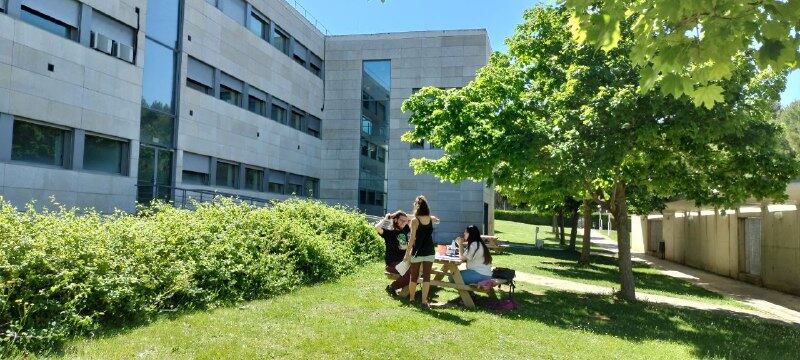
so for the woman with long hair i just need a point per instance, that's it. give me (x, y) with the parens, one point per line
(473, 251)
(421, 251)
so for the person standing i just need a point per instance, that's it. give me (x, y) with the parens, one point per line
(420, 252)
(395, 231)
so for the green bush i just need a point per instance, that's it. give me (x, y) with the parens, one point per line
(67, 273)
(526, 217)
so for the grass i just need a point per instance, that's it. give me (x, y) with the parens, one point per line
(354, 318)
(603, 271)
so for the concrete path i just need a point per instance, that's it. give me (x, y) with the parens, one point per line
(773, 303)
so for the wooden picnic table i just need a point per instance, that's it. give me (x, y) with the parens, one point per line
(493, 243)
(449, 266)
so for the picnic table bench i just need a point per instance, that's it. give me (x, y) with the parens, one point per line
(449, 266)
(494, 244)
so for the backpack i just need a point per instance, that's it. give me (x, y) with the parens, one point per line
(508, 275)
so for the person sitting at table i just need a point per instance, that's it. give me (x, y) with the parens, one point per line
(473, 251)
(394, 230)
(421, 250)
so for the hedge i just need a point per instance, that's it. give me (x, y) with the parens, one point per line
(526, 217)
(67, 273)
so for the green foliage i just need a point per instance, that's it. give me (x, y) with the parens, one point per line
(65, 274)
(525, 217)
(691, 44)
(789, 119)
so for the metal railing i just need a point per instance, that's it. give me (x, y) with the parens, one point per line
(185, 198)
(311, 19)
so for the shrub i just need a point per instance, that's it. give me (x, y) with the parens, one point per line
(67, 273)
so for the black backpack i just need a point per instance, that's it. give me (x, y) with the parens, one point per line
(506, 274)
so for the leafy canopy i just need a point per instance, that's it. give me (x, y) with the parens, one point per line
(691, 45)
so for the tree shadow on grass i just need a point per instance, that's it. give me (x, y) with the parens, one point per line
(564, 264)
(711, 334)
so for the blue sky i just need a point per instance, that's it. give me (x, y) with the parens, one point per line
(499, 17)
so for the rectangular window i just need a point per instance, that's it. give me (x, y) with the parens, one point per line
(362, 196)
(295, 184)
(200, 76)
(194, 178)
(300, 53)
(312, 188)
(364, 147)
(158, 79)
(418, 145)
(258, 25)
(38, 144)
(313, 125)
(45, 22)
(370, 197)
(230, 96)
(254, 179)
(231, 89)
(227, 174)
(156, 128)
(278, 114)
(366, 125)
(297, 121)
(257, 101)
(235, 9)
(113, 29)
(58, 17)
(315, 69)
(381, 154)
(379, 199)
(277, 182)
(315, 64)
(196, 169)
(103, 154)
(373, 151)
(281, 41)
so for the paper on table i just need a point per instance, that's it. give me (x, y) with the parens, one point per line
(402, 267)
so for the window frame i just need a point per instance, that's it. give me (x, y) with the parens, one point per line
(256, 16)
(205, 176)
(72, 31)
(67, 138)
(278, 32)
(236, 180)
(124, 153)
(260, 184)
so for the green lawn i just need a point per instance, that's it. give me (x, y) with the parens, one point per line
(354, 318)
(555, 262)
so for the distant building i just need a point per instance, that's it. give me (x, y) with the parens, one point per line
(106, 102)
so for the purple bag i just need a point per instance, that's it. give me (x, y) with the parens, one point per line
(503, 305)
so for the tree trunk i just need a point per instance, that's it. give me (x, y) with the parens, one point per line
(627, 290)
(573, 234)
(561, 239)
(587, 232)
(555, 225)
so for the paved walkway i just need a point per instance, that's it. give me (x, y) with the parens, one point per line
(773, 304)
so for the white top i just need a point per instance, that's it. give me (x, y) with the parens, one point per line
(474, 255)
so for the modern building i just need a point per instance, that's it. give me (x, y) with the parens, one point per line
(104, 103)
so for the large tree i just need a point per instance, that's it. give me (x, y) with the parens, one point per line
(557, 117)
(690, 45)
(789, 119)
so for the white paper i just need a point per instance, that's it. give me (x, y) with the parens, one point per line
(402, 267)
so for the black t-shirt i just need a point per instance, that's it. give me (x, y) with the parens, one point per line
(394, 239)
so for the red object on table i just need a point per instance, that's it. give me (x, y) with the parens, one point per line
(441, 249)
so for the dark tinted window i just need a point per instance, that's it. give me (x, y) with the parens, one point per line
(230, 96)
(103, 154)
(257, 105)
(38, 143)
(156, 128)
(195, 178)
(227, 174)
(254, 179)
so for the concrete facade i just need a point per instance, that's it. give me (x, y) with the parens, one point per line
(64, 83)
(758, 242)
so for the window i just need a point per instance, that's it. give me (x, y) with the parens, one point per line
(162, 22)
(295, 184)
(103, 154)
(254, 179)
(227, 174)
(107, 26)
(315, 64)
(38, 144)
(235, 9)
(278, 114)
(297, 120)
(315, 69)
(362, 196)
(194, 178)
(364, 147)
(418, 144)
(300, 53)
(281, 41)
(57, 17)
(373, 151)
(370, 197)
(381, 154)
(277, 181)
(230, 90)
(312, 187)
(379, 199)
(313, 124)
(366, 125)
(200, 76)
(156, 128)
(196, 169)
(258, 25)
(257, 105)
(159, 75)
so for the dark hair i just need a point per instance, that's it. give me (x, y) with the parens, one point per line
(475, 236)
(394, 217)
(421, 207)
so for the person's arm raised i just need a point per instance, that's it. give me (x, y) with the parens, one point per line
(379, 224)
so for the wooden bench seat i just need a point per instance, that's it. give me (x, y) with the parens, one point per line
(447, 284)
